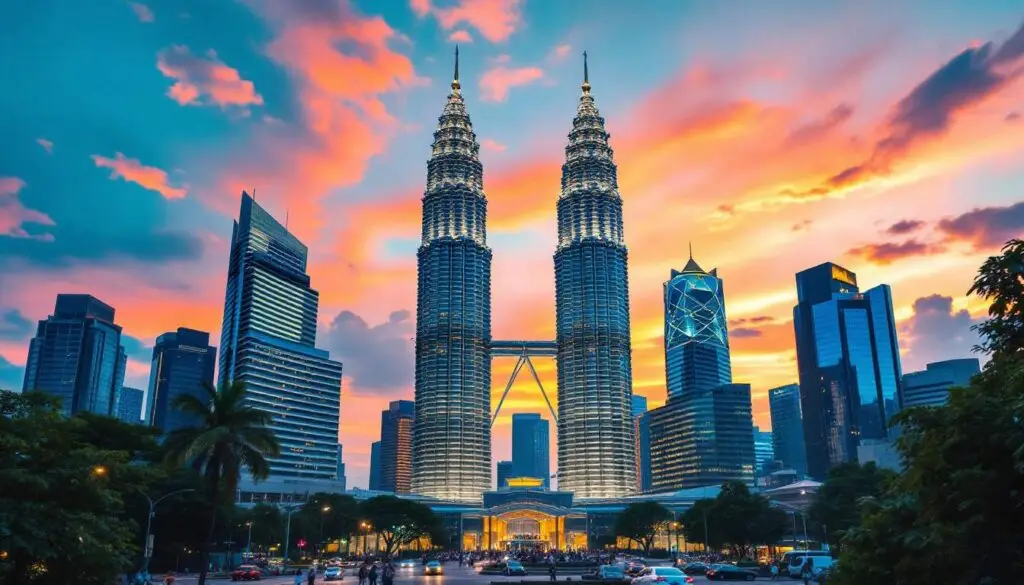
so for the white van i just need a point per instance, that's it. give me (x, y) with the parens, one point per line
(820, 559)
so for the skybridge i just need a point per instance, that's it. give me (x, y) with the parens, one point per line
(524, 351)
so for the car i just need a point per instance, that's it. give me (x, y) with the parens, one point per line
(634, 568)
(725, 572)
(669, 575)
(334, 574)
(407, 564)
(246, 573)
(433, 568)
(514, 568)
(695, 568)
(611, 574)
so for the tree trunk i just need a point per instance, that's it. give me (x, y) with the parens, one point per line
(204, 556)
(19, 570)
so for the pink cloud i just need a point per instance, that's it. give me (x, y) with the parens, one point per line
(495, 20)
(142, 12)
(46, 144)
(13, 215)
(202, 81)
(460, 36)
(560, 52)
(130, 169)
(498, 80)
(492, 145)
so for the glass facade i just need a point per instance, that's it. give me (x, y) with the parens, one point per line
(703, 438)
(129, 405)
(643, 451)
(596, 442)
(76, 355)
(531, 440)
(696, 335)
(505, 472)
(764, 452)
(849, 364)
(375, 466)
(268, 338)
(396, 446)
(452, 431)
(788, 427)
(931, 386)
(639, 405)
(183, 361)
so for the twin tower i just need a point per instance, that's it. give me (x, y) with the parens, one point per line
(452, 434)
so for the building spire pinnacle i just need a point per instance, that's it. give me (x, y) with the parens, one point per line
(455, 80)
(586, 75)
(691, 250)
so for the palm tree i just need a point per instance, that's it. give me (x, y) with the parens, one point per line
(229, 435)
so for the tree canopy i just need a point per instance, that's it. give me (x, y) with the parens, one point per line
(400, 522)
(835, 506)
(641, 522)
(736, 518)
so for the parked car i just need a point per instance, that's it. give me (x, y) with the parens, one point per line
(695, 568)
(433, 568)
(334, 574)
(514, 568)
(246, 573)
(611, 574)
(669, 575)
(725, 572)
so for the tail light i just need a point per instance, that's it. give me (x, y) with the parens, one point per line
(659, 579)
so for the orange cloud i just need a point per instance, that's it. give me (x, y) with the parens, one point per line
(889, 252)
(142, 12)
(14, 215)
(131, 170)
(46, 144)
(495, 20)
(496, 81)
(200, 81)
(460, 36)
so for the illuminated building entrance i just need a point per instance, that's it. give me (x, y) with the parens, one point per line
(525, 516)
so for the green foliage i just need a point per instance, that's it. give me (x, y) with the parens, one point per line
(836, 504)
(641, 522)
(325, 518)
(1001, 282)
(736, 519)
(400, 522)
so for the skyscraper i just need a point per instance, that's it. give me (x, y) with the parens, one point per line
(505, 472)
(374, 466)
(452, 432)
(764, 452)
(639, 405)
(267, 341)
(788, 427)
(696, 334)
(596, 446)
(531, 446)
(396, 446)
(76, 355)
(341, 468)
(183, 361)
(642, 436)
(129, 405)
(930, 387)
(849, 363)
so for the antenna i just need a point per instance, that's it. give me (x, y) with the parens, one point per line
(254, 194)
(691, 250)
(455, 80)
(287, 215)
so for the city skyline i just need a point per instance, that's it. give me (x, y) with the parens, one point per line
(166, 147)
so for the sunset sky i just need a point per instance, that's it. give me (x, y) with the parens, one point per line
(884, 136)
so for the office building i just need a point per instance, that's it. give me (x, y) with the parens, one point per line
(696, 334)
(531, 441)
(267, 342)
(452, 432)
(77, 356)
(396, 446)
(703, 438)
(788, 428)
(764, 452)
(848, 358)
(596, 443)
(129, 405)
(505, 472)
(639, 405)
(341, 469)
(643, 451)
(930, 387)
(183, 361)
(375, 466)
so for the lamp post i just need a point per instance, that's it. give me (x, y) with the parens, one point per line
(705, 531)
(288, 529)
(147, 546)
(320, 546)
(248, 545)
(366, 534)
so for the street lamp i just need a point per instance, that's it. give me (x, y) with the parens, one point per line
(288, 529)
(323, 514)
(366, 536)
(248, 545)
(99, 470)
(147, 544)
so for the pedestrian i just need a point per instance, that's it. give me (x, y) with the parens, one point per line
(311, 576)
(552, 573)
(298, 578)
(373, 574)
(807, 571)
(169, 578)
(775, 571)
(363, 570)
(388, 573)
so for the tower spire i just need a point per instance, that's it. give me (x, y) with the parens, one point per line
(691, 250)
(455, 80)
(586, 74)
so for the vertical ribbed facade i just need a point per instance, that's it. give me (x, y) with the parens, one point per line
(596, 447)
(396, 446)
(451, 433)
(696, 334)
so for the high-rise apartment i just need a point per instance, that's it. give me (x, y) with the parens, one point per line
(375, 466)
(183, 361)
(696, 333)
(849, 363)
(788, 427)
(531, 441)
(596, 445)
(930, 387)
(129, 405)
(452, 432)
(505, 472)
(77, 356)
(396, 446)
(268, 342)
(341, 468)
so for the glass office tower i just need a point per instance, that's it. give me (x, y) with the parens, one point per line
(267, 342)
(788, 427)
(183, 361)
(531, 442)
(639, 405)
(396, 446)
(76, 355)
(596, 444)
(764, 452)
(642, 428)
(375, 466)
(129, 405)
(849, 363)
(931, 386)
(505, 472)
(696, 334)
(452, 433)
